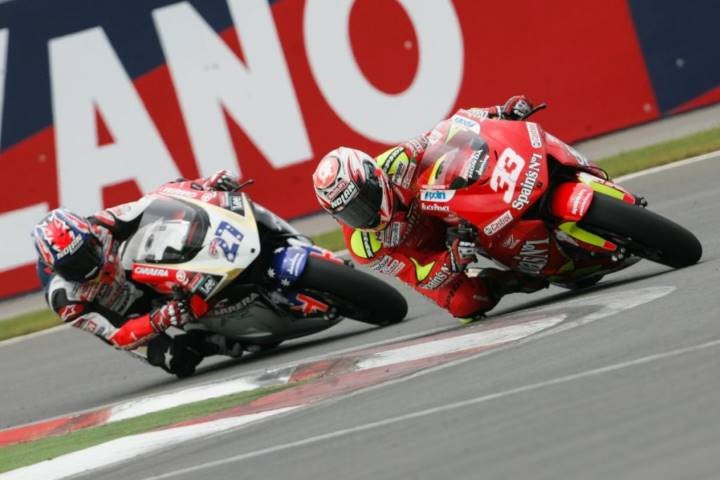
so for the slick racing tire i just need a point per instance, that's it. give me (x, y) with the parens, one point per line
(354, 294)
(642, 232)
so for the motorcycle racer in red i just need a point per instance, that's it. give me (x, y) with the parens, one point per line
(374, 199)
(89, 288)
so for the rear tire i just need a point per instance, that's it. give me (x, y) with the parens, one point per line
(642, 232)
(353, 293)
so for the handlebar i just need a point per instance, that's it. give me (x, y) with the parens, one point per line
(538, 107)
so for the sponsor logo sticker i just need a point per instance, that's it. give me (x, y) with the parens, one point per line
(433, 207)
(528, 184)
(466, 123)
(436, 280)
(151, 271)
(533, 256)
(237, 205)
(581, 201)
(180, 192)
(496, 225)
(345, 196)
(534, 134)
(510, 242)
(207, 286)
(437, 195)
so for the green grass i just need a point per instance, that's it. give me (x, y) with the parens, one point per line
(626, 162)
(332, 240)
(28, 323)
(662, 153)
(16, 456)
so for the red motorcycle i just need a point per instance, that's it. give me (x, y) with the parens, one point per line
(537, 206)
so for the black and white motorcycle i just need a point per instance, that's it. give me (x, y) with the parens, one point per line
(248, 274)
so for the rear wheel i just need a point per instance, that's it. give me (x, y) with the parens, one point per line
(642, 232)
(353, 293)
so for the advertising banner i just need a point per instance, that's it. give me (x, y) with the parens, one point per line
(103, 101)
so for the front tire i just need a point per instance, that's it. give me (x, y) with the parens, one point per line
(642, 232)
(353, 293)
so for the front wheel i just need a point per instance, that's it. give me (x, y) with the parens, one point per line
(353, 293)
(642, 232)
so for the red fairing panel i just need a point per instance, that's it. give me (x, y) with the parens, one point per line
(570, 201)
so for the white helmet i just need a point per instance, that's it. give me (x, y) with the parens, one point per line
(352, 188)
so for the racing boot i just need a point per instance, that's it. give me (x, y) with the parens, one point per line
(174, 355)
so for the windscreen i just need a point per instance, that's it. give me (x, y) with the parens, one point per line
(170, 231)
(458, 161)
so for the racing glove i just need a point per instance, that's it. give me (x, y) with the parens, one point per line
(462, 248)
(517, 107)
(174, 313)
(223, 181)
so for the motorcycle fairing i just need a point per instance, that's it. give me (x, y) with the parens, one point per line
(512, 180)
(529, 248)
(571, 200)
(288, 264)
(229, 245)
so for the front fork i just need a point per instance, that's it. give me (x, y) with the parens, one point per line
(286, 268)
(570, 202)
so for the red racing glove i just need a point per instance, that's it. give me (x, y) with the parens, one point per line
(462, 254)
(175, 313)
(462, 248)
(223, 181)
(517, 107)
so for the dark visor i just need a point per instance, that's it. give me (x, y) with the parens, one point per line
(83, 264)
(363, 211)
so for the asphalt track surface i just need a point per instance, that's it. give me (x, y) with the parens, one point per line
(604, 400)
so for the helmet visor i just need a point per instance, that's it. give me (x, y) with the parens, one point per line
(83, 264)
(363, 211)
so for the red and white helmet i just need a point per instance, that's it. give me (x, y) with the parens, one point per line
(352, 188)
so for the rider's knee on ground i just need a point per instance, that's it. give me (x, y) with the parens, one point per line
(469, 297)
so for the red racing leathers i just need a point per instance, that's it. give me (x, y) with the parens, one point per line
(413, 246)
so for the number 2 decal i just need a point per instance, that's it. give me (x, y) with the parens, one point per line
(228, 239)
(506, 172)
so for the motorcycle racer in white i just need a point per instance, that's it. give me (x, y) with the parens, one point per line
(86, 285)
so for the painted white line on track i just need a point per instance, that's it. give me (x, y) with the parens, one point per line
(443, 408)
(445, 346)
(127, 448)
(142, 406)
(668, 166)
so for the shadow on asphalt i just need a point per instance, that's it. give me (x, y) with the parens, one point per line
(548, 300)
(569, 294)
(279, 351)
